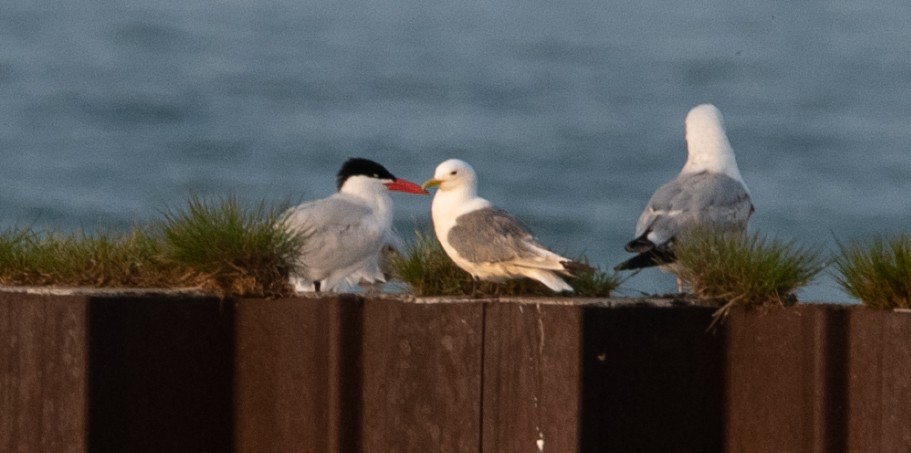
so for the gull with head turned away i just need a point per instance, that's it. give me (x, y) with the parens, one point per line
(346, 232)
(709, 193)
(487, 242)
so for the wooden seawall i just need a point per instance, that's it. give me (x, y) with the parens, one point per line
(188, 373)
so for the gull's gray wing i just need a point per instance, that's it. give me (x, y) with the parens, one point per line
(712, 200)
(492, 235)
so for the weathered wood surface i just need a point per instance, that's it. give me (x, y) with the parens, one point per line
(282, 373)
(787, 394)
(877, 370)
(422, 377)
(43, 374)
(84, 373)
(532, 370)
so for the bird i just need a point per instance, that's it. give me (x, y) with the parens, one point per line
(345, 232)
(708, 193)
(486, 241)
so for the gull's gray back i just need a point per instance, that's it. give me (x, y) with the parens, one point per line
(712, 200)
(491, 235)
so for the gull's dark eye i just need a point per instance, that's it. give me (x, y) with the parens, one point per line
(453, 173)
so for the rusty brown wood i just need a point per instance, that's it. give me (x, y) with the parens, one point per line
(787, 390)
(531, 377)
(767, 400)
(896, 395)
(879, 381)
(297, 375)
(281, 367)
(345, 375)
(865, 380)
(422, 377)
(43, 379)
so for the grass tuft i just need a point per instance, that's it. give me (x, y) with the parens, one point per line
(230, 250)
(100, 260)
(425, 267)
(215, 246)
(429, 271)
(878, 275)
(592, 281)
(747, 270)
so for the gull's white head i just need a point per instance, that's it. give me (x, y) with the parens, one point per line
(708, 148)
(454, 174)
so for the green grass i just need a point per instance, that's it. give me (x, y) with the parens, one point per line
(879, 274)
(747, 270)
(214, 245)
(426, 268)
(100, 260)
(229, 249)
(591, 281)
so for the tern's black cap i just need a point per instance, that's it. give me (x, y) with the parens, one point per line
(358, 166)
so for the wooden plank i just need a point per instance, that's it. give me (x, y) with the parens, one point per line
(532, 381)
(879, 381)
(865, 378)
(345, 375)
(43, 378)
(652, 380)
(896, 384)
(297, 375)
(769, 400)
(160, 374)
(422, 377)
(787, 389)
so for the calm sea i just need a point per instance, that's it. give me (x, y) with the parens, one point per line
(572, 112)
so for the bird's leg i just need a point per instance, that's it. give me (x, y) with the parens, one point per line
(474, 286)
(316, 285)
(679, 286)
(371, 289)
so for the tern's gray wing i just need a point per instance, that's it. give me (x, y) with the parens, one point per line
(328, 213)
(338, 231)
(712, 200)
(491, 235)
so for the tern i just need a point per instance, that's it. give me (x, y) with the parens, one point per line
(346, 231)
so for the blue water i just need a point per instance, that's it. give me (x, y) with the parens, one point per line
(572, 112)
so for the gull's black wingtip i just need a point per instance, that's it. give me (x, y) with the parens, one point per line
(640, 245)
(654, 257)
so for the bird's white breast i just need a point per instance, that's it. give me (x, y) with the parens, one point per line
(448, 206)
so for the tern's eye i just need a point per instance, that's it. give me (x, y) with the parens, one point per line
(376, 175)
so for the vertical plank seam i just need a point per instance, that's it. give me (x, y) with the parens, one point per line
(837, 367)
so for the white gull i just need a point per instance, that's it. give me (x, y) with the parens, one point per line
(487, 242)
(708, 193)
